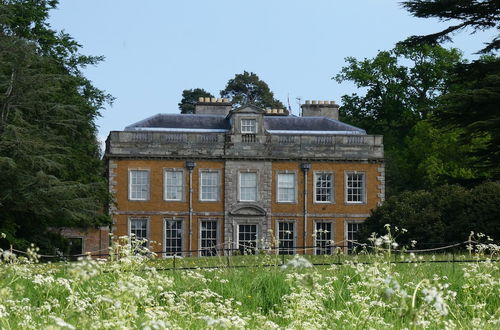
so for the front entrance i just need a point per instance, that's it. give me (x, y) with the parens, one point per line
(247, 238)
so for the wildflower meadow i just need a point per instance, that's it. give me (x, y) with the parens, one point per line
(366, 291)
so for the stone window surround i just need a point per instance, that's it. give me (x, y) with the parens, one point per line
(218, 225)
(183, 194)
(315, 221)
(295, 172)
(164, 235)
(294, 221)
(209, 170)
(346, 222)
(315, 174)
(364, 201)
(257, 195)
(130, 182)
(148, 225)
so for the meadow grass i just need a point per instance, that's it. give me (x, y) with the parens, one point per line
(366, 291)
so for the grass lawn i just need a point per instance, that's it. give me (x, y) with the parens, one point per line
(137, 292)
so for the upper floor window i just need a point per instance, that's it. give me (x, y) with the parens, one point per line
(355, 187)
(138, 189)
(323, 188)
(209, 185)
(174, 185)
(248, 187)
(286, 187)
(248, 126)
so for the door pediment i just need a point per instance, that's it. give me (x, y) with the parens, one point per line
(248, 210)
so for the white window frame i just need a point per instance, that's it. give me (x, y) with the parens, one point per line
(183, 240)
(139, 218)
(200, 186)
(346, 232)
(217, 235)
(250, 127)
(332, 222)
(294, 200)
(165, 184)
(130, 197)
(240, 195)
(332, 187)
(294, 236)
(346, 188)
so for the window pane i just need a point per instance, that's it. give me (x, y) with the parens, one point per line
(173, 237)
(286, 236)
(173, 185)
(248, 126)
(209, 186)
(247, 238)
(324, 184)
(208, 242)
(324, 237)
(248, 186)
(139, 185)
(286, 187)
(355, 187)
(353, 229)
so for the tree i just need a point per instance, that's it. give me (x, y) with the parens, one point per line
(49, 155)
(445, 215)
(248, 88)
(476, 14)
(402, 88)
(190, 97)
(474, 94)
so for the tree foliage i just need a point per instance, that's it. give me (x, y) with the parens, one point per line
(445, 215)
(401, 90)
(190, 97)
(475, 14)
(248, 88)
(49, 154)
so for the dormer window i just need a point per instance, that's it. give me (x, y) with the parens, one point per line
(248, 126)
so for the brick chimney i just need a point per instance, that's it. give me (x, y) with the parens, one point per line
(327, 109)
(212, 106)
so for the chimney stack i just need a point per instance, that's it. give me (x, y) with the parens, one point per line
(315, 108)
(212, 106)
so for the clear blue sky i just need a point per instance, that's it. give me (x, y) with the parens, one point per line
(155, 49)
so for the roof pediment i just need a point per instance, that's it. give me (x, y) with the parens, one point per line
(248, 210)
(248, 108)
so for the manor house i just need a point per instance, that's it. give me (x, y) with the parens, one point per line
(244, 178)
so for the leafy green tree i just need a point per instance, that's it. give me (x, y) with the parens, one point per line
(471, 104)
(190, 97)
(445, 215)
(401, 88)
(248, 88)
(49, 155)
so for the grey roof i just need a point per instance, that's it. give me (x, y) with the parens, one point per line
(292, 123)
(188, 122)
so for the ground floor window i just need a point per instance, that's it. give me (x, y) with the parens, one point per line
(139, 229)
(173, 237)
(286, 235)
(323, 237)
(352, 232)
(208, 237)
(247, 238)
(75, 246)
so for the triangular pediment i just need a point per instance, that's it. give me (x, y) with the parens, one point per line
(248, 210)
(248, 108)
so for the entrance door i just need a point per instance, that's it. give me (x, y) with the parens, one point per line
(247, 238)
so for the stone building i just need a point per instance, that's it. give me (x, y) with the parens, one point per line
(244, 178)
